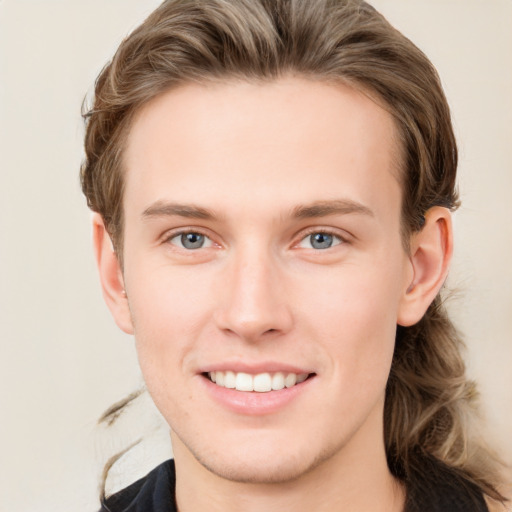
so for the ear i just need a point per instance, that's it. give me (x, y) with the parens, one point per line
(111, 276)
(430, 256)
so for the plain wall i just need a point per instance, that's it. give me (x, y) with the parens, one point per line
(62, 359)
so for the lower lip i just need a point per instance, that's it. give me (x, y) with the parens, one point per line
(253, 403)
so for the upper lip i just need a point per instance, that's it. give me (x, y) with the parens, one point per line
(254, 367)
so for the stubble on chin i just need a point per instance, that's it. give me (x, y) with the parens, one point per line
(265, 470)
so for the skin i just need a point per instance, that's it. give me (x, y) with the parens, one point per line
(256, 158)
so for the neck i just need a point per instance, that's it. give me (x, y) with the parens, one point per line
(355, 479)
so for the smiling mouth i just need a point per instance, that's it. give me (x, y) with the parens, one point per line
(261, 382)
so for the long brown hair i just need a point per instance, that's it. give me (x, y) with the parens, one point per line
(430, 404)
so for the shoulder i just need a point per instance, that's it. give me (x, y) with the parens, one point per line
(436, 487)
(152, 493)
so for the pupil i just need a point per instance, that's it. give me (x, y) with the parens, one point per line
(192, 240)
(321, 240)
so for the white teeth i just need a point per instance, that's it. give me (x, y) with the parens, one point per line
(244, 382)
(290, 380)
(261, 383)
(278, 381)
(230, 380)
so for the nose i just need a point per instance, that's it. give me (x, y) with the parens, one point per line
(253, 304)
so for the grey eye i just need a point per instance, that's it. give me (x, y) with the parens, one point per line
(321, 240)
(192, 240)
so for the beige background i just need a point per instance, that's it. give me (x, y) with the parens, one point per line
(63, 361)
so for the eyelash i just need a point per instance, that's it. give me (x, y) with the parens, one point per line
(171, 236)
(319, 231)
(339, 240)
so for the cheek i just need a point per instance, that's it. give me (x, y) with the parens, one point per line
(168, 311)
(165, 322)
(165, 301)
(354, 319)
(172, 310)
(352, 297)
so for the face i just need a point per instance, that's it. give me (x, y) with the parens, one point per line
(263, 251)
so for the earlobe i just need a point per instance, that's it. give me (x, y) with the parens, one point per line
(111, 276)
(430, 256)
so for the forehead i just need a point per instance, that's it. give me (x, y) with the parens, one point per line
(234, 143)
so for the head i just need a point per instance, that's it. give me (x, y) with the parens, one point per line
(187, 61)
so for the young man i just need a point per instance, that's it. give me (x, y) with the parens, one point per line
(272, 182)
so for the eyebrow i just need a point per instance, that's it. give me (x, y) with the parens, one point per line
(166, 209)
(316, 209)
(334, 207)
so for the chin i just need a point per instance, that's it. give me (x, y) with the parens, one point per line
(262, 467)
(255, 473)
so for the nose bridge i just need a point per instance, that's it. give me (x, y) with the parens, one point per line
(255, 300)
